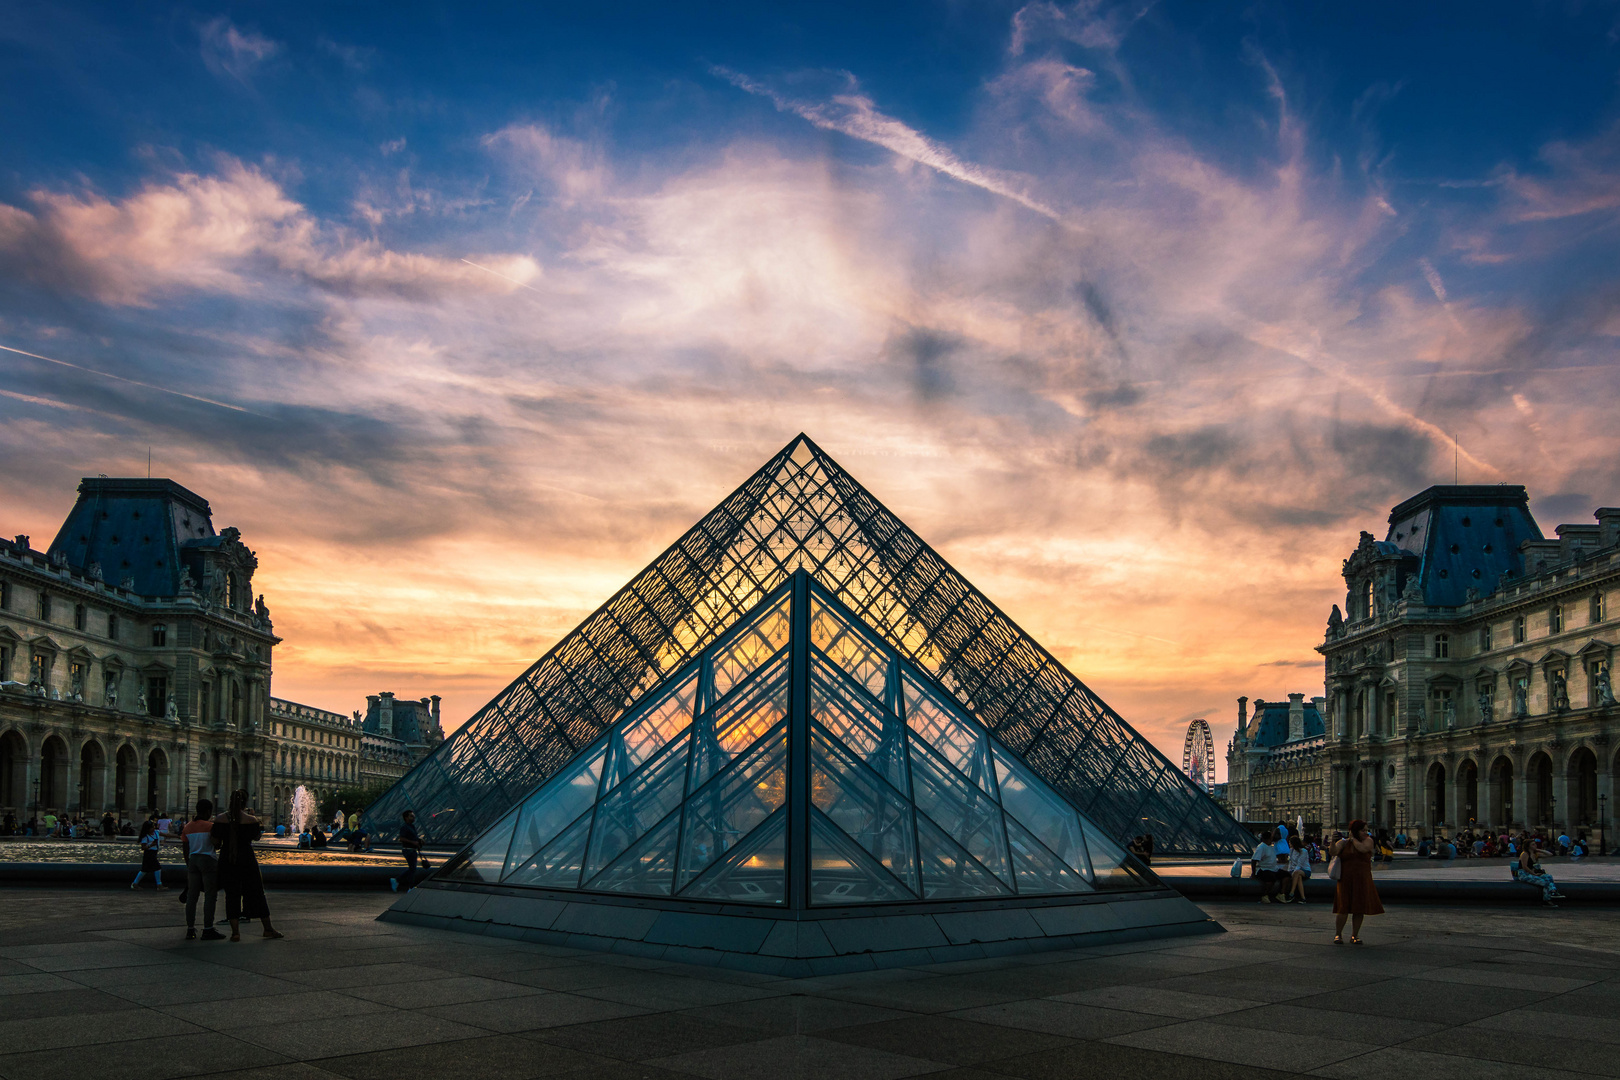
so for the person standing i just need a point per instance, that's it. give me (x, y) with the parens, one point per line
(202, 871)
(151, 840)
(1355, 898)
(109, 827)
(234, 833)
(410, 845)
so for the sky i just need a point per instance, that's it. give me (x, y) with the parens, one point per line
(1137, 312)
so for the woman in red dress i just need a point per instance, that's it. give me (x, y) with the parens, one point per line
(1355, 898)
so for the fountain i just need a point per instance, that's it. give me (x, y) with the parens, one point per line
(303, 809)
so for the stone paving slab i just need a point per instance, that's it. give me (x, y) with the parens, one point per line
(101, 985)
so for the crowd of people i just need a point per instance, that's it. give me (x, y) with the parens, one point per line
(63, 827)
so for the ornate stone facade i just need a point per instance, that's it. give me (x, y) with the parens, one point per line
(1274, 764)
(1469, 675)
(398, 732)
(134, 662)
(312, 748)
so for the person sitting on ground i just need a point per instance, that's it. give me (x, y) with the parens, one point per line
(1263, 867)
(1423, 850)
(1578, 849)
(305, 839)
(1528, 870)
(318, 838)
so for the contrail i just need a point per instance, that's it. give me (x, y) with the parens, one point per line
(132, 382)
(854, 115)
(500, 275)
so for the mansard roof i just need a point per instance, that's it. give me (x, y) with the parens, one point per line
(1270, 723)
(133, 528)
(1465, 536)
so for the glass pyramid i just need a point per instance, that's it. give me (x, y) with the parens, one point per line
(802, 511)
(798, 762)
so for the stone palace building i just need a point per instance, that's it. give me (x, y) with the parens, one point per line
(135, 671)
(1469, 679)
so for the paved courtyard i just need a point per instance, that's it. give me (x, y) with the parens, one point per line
(98, 984)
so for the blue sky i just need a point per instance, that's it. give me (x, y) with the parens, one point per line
(1140, 311)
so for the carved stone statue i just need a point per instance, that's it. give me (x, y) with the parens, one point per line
(1335, 627)
(1421, 716)
(1605, 692)
(140, 701)
(1414, 590)
(110, 693)
(1521, 700)
(1450, 713)
(1559, 688)
(95, 572)
(1487, 706)
(172, 713)
(260, 609)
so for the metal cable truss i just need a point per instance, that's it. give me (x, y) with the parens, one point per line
(1198, 756)
(802, 510)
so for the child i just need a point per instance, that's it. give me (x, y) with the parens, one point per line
(151, 840)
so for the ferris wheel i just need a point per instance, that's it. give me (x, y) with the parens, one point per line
(1198, 756)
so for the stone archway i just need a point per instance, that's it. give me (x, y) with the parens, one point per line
(1466, 789)
(1538, 776)
(92, 777)
(1435, 792)
(1499, 794)
(157, 780)
(1583, 789)
(14, 774)
(53, 775)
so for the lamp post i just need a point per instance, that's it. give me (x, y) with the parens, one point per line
(36, 799)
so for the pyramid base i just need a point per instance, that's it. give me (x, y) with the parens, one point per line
(794, 944)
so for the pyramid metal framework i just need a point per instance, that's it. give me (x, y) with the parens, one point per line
(801, 510)
(798, 762)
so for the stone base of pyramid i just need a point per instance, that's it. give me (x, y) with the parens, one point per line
(794, 944)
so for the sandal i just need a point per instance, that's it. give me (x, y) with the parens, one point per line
(274, 934)
(1354, 940)
(1338, 940)
(235, 936)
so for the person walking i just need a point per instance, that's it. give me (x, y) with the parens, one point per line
(234, 833)
(410, 845)
(151, 840)
(1356, 897)
(202, 871)
(1528, 870)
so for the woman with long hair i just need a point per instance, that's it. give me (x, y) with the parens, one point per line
(1528, 871)
(234, 834)
(151, 840)
(1355, 897)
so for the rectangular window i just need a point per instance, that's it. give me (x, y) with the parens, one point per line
(44, 607)
(76, 672)
(5, 596)
(112, 627)
(81, 617)
(40, 669)
(5, 665)
(1555, 619)
(1485, 638)
(1442, 646)
(160, 634)
(1598, 612)
(1518, 630)
(157, 695)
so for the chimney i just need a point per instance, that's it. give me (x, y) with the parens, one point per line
(1608, 518)
(436, 728)
(1296, 716)
(1321, 707)
(1243, 718)
(385, 714)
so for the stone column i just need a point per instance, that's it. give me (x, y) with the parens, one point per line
(1563, 810)
(109, 782)
(1521, 794)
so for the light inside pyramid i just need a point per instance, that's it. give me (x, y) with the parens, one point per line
(802, 511)
(905, 797)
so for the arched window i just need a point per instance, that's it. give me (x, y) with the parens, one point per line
(1442, 646)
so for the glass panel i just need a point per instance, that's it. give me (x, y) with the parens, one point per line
(962, 810)
(864, 807)
(751, 648)
(738, 724)
(1041, 810)
(484, 860)
(559, 864)
(1111, 866)
(1036, 869)
(733, 806)
(841, 873)
(962, 744)
(947, 871)
(558, 802)
(753, 872)
(648, 868)
(634, 742)
(875, 736)
(635, 806)
(850, 650)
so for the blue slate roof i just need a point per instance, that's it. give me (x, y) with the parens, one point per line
(412, 721)
(1269, 725)
(1465, 537)
(134, 528)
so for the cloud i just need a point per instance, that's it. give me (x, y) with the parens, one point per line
(235, 53)
(217, 233)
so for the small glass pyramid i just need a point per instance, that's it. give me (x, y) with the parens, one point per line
(798, 761)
